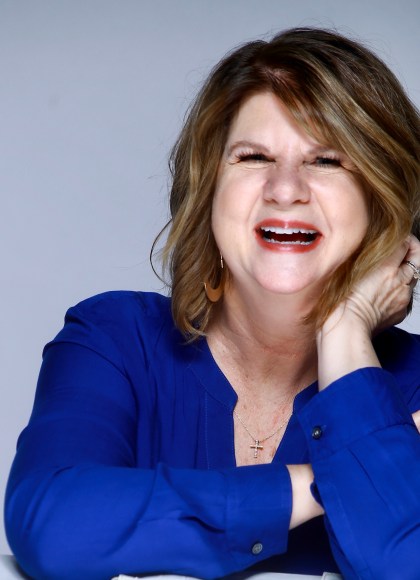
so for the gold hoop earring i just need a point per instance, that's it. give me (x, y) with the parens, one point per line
(214, 294)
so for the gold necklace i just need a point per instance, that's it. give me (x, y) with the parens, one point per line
(257, 442)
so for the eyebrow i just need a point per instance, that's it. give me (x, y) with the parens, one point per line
(246, 143)
(320, 148)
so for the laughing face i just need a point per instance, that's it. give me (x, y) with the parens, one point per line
(287, 209)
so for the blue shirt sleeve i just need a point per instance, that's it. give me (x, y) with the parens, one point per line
(365, 453)
(79, 506)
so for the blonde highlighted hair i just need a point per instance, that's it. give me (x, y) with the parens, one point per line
(342, 94)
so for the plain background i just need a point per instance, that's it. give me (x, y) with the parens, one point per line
(92, 94)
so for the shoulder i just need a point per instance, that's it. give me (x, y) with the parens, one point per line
(122, 305)
(119, 323)
(399, 353)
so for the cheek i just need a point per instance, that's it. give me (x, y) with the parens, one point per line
(356, 225)
(219, 206)
(358, 214)
(231, 200)
(221, 194)
(221, 216)
(344, 202)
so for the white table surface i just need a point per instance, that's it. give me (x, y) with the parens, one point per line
(240, 576)
(260, 576)
(10, 571)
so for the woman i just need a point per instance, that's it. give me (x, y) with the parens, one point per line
(295, 189)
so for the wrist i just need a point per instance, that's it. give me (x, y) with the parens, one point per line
(304, 505)
(344, 318)
(344, 345)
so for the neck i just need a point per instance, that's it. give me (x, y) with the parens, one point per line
(263, 345)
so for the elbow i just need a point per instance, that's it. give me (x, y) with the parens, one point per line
(40, 537)
(34, 546)
(43, 553)
(402, 560)
(397, 558)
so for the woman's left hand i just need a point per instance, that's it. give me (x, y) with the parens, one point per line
(379, 300)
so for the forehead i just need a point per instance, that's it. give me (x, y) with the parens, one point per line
(263, 116)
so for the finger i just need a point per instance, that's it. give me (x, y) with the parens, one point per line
(400, 253)
(413, 250)
(416, 418)
(411, 262)
(413, 241)
(410, 273)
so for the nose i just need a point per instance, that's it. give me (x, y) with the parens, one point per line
(285, 185)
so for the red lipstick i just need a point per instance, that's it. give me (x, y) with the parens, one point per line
(287, 236)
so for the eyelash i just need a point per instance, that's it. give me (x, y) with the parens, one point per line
(258, 157)
(323, 161)
(326, 161)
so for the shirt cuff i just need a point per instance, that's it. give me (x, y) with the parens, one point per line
(357, 404)
(258, 513)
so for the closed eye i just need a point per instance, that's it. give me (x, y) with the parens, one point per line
(327, 162)
(252, 158)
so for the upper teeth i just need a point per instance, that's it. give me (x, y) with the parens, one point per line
(276, 230)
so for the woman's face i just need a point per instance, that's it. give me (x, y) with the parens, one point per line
(287, 210)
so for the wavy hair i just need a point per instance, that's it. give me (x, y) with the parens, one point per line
(342, 94)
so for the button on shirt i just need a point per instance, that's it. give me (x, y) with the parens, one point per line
(257, 548)
(317, 432)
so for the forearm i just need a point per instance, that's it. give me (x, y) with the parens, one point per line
(365, 457)
(96, 521)
(343, 347)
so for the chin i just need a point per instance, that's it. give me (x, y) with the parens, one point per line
(286, 288)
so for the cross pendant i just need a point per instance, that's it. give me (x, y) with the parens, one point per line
(256, 447)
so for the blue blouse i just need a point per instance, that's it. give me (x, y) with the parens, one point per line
(128, 463)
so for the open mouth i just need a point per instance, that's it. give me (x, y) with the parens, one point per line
(288, 236)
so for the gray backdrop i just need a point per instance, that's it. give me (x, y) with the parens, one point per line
(92, 93)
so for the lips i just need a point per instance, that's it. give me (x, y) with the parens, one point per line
(291, 236)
